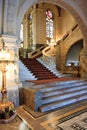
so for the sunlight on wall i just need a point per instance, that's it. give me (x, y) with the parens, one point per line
(21, 32)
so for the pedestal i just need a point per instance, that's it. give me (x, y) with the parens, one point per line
(7, 112)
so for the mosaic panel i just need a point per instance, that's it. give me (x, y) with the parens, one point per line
(73, 126)
(85, 120)
(76, 126)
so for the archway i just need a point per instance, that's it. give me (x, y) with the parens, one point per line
(69, 6)
(73, 55)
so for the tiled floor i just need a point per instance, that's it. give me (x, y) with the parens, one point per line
(75, 121)
(69, 118)
(63, 119)
(16, 124)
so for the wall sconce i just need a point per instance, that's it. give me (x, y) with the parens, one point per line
(7, 110)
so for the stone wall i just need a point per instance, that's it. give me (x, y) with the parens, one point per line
(64, 46)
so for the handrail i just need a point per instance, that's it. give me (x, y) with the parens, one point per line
(65, 36)
(74, 27)
(47, 51)
(36, 52)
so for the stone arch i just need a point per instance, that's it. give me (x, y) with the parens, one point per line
(78, 45)
(69, 6)
(70, 41)
(72, 37)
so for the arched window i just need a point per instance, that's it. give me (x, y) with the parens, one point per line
(49, 25)
(30, 29)
(21, 35)
(21, 32)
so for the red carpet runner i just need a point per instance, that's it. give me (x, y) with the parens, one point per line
(40, 71)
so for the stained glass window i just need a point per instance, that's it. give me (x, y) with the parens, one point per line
(49, 24)
(30, 29)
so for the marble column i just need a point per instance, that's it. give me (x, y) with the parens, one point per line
(39, 18)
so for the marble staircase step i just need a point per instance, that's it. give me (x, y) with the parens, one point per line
(61, 86)
(27, 75)
(62, 103)
(56, 83)
(62, 91)
(63, 96)
(24, 73)
(67, 82)
(29, 78)
(46, 76)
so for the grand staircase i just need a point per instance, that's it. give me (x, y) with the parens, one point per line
(61, 94)
(39, 70)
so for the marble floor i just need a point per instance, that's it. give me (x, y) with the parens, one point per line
(73, 117)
